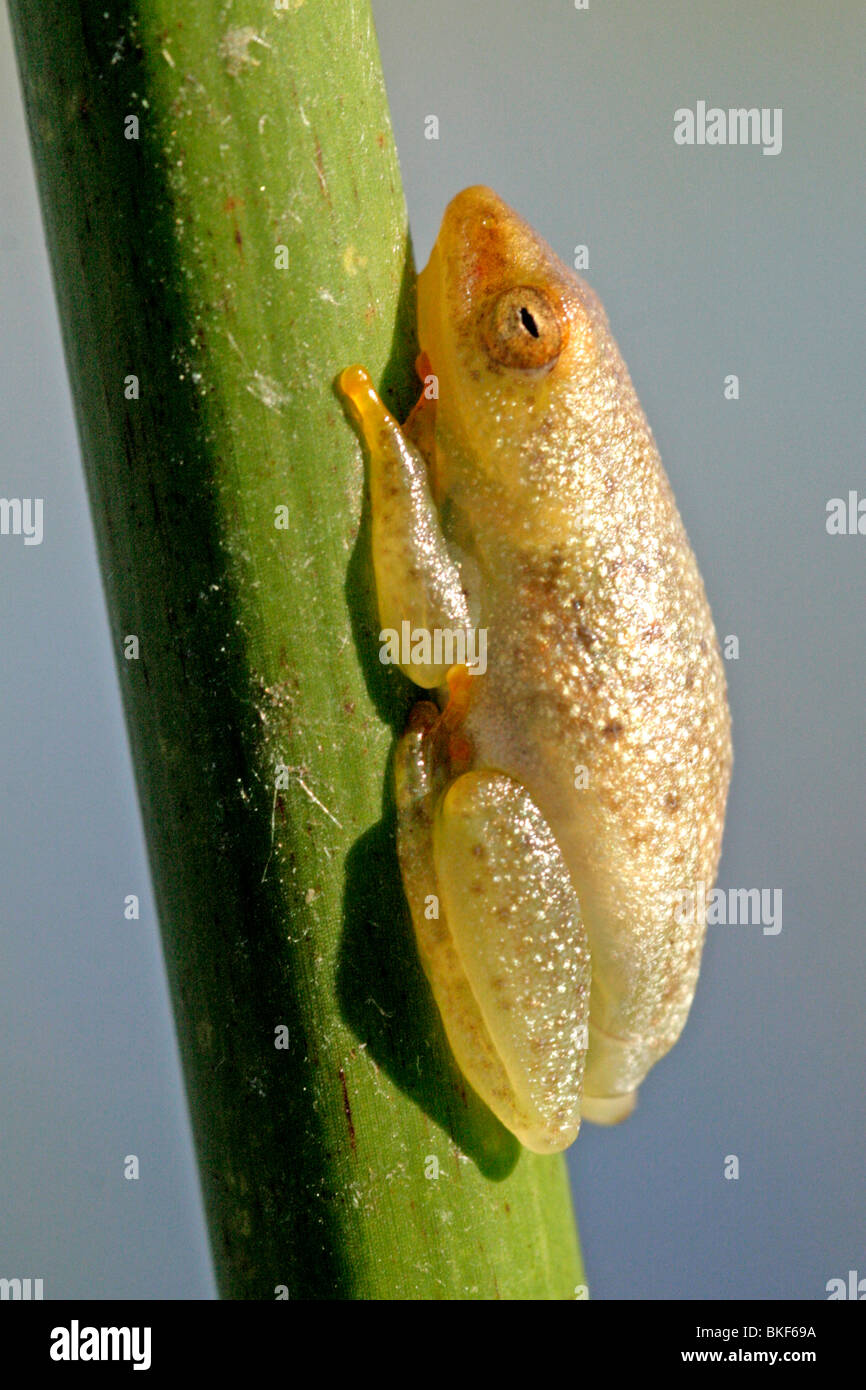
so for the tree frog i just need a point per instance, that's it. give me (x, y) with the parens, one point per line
(556, 800)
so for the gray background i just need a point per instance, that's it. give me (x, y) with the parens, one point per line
(709, 261)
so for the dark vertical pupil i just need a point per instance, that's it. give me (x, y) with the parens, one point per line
(529, 322)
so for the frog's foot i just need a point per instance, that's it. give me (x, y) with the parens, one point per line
(500, 935)
(608, 1110)
(418, 584)
(615, 1066)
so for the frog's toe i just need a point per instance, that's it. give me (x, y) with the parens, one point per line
(608, 1110)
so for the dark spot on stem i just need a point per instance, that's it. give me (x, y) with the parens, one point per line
(348, 1109)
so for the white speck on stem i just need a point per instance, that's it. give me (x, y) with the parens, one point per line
(268, 391)
(234, 49)
(273, 823)
(312, 795)
(296, 773)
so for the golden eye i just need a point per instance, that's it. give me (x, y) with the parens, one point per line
(523, 330)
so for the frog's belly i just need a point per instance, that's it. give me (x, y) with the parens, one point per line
(632, 780)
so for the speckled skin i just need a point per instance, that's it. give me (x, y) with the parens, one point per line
(604, 696)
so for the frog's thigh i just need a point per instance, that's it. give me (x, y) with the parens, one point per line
(415, 777)
(508, 958)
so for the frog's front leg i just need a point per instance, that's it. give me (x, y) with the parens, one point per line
(499, 930)
(416, 579)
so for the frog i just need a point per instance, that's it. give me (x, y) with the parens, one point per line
(556, 801)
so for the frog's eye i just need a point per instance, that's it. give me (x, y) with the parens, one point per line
(523, 330)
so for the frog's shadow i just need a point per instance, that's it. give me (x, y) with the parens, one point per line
(382, 992)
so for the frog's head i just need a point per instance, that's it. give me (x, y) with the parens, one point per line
(513, 337)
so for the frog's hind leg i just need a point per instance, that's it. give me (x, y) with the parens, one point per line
(500, 936)
(455, 1001)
